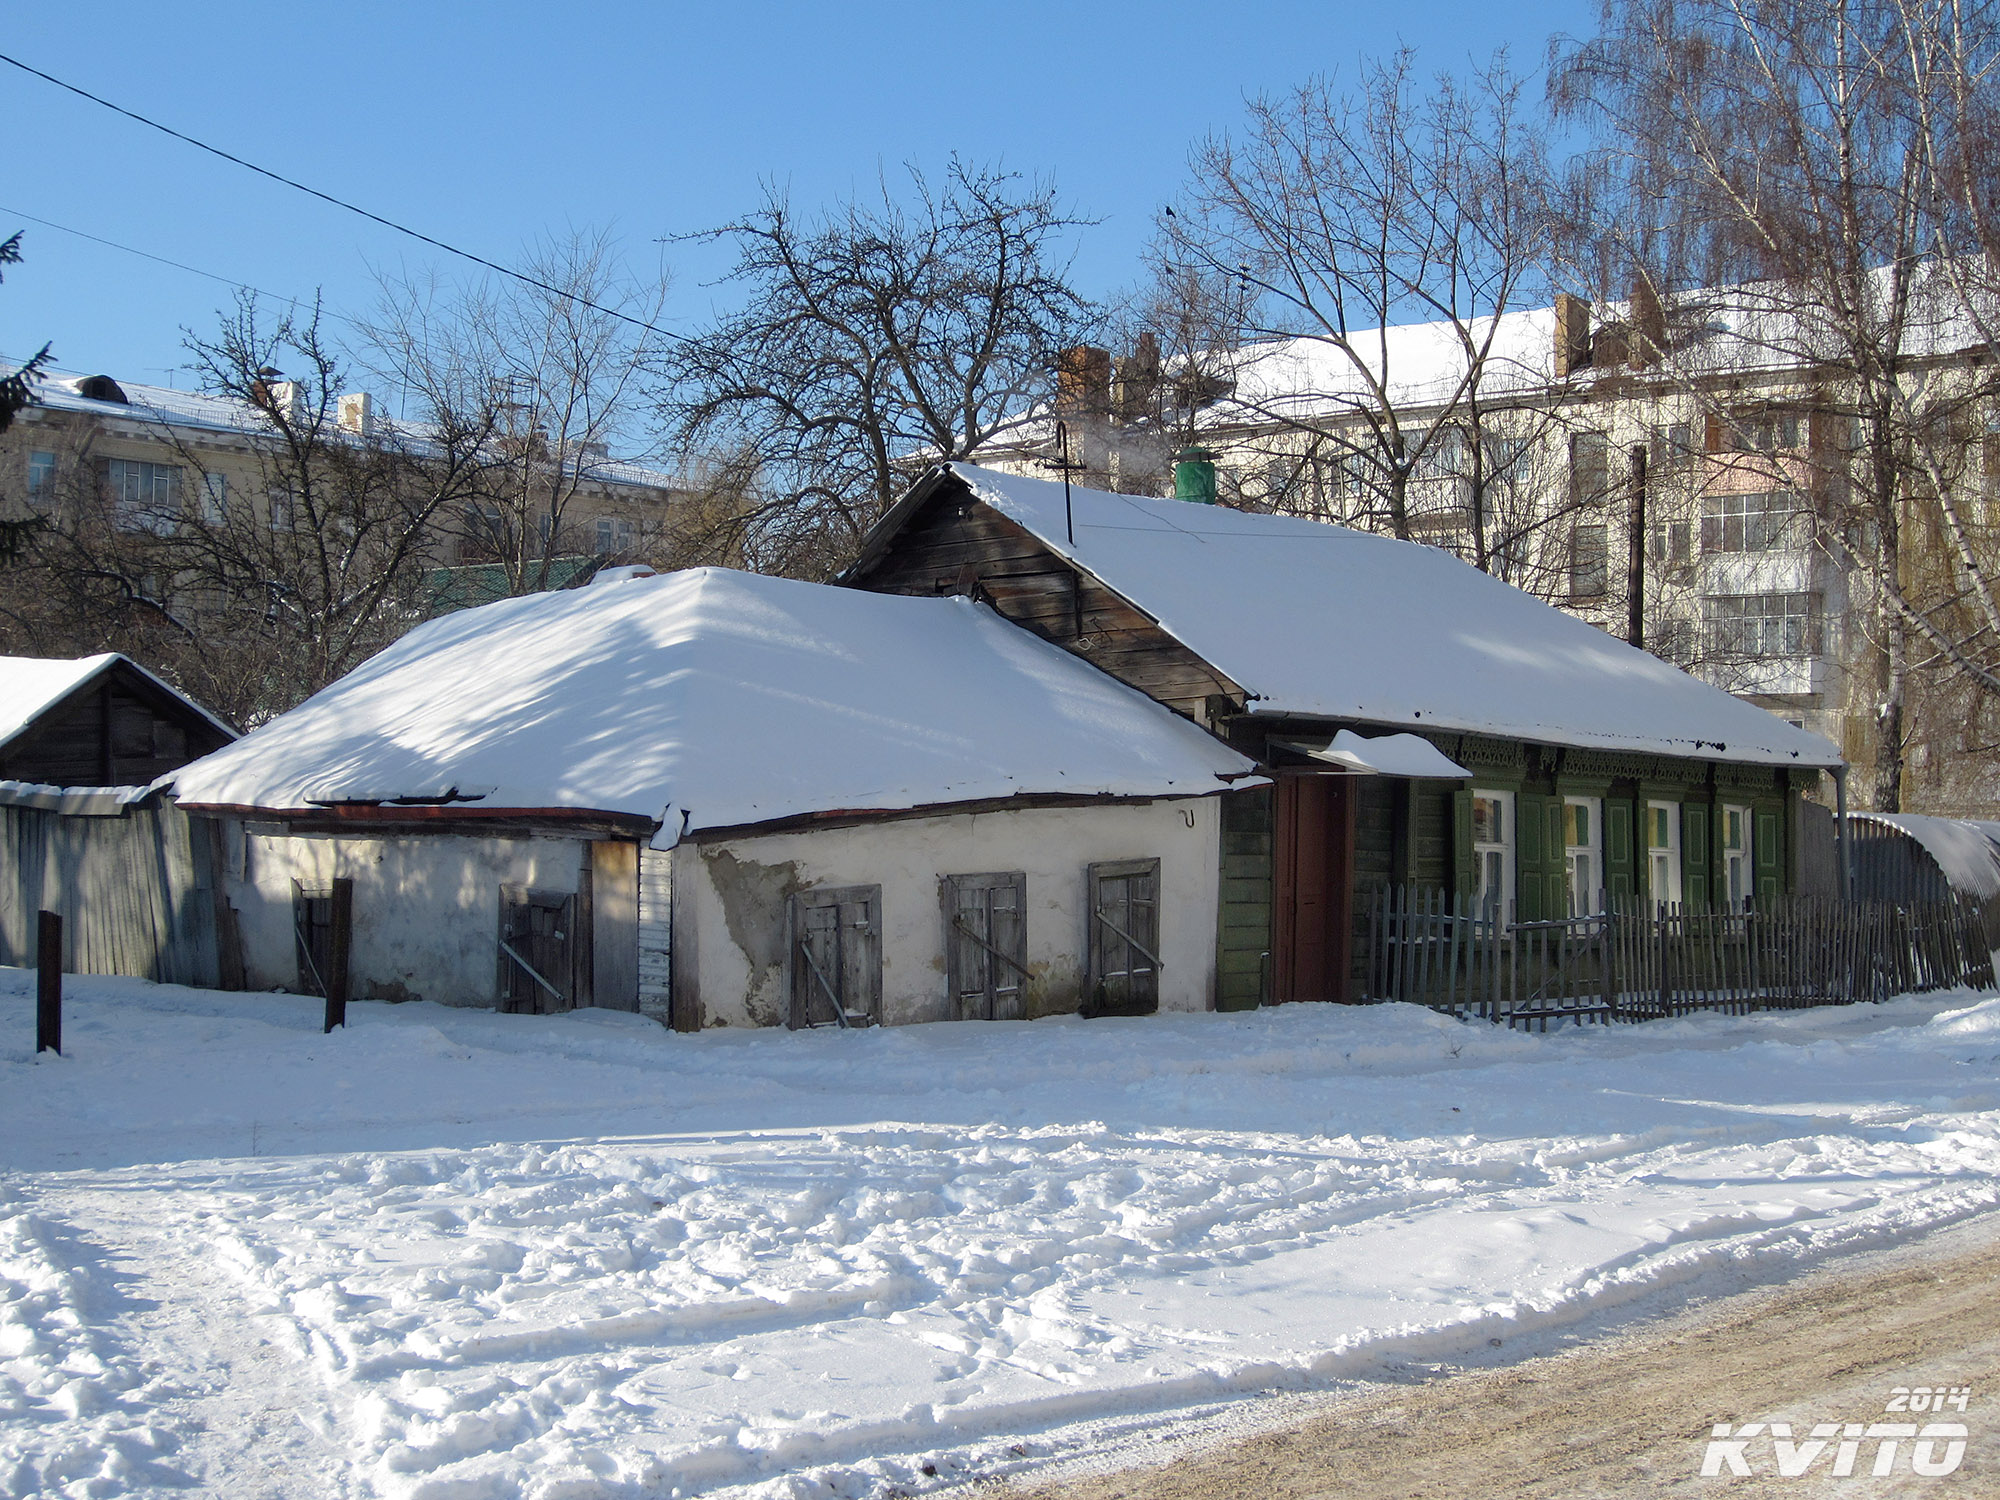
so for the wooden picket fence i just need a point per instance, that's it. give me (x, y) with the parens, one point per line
(1636, 961)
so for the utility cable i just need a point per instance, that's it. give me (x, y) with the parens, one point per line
(479, 260)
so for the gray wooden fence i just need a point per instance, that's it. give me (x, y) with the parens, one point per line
(134, 882)
(1635, 961)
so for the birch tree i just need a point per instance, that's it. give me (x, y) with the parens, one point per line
(1336, 216)
(1826, 169)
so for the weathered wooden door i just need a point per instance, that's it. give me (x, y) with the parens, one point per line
(836, 956)
(1124, 951)
(986, 945)
(538, 950)
(1314, 888)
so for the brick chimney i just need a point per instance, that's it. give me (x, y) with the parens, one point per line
(1572, 351)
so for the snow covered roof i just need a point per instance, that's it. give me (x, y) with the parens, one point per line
(162, 406)
(718, 698)
(31, 685)
(1314, 619)
(1966, 850)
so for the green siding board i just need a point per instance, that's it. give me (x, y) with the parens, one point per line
(1243, 932)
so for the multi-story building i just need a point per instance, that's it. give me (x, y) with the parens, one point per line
(1689, 500)
(150, 459)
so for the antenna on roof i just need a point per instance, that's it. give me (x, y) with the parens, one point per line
(1061, 461)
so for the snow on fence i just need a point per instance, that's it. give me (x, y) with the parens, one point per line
(132, 879)
(1638, 961)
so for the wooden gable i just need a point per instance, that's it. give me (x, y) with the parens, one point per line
(119, 728)
(949, 541)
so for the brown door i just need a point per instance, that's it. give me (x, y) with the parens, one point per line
(1314, 888)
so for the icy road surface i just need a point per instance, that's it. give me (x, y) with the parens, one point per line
(458, 1255)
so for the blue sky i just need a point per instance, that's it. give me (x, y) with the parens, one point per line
(489, 125)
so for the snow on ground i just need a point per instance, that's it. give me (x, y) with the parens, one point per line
(455, 1255)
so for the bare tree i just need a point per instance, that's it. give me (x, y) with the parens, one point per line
(1826, 169)
(1335, 218)
(533, 386)
(875, 338)
(252, 586)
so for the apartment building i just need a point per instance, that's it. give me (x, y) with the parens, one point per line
(150, 459)
(1683, 492)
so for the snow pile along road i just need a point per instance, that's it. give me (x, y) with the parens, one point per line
(455, 1254)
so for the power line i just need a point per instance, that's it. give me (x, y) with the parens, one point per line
(98, 239)
(479, 260)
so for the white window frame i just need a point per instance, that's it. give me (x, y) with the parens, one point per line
(1583, 862)
(1663, 861)
(41, 475)
(214, 499)
(1496, 904)
(1739, 868)
(145, 496)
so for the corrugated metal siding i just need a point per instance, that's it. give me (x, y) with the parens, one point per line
(136, 892)
(656, 932)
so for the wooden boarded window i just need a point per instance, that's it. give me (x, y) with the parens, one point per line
(312, 926)
(1123, 977)
(986, 944)
(539, 946)
(836, 956)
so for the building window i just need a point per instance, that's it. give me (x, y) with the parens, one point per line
(1589, 468)
(1764, 432)
(144, 497)
(41, 477)
(1671, 543)
(1763, 627)
(214, 499)
(1583, 853)
(1747, 523)
(284, 515)
(986, 945)
(1589, 561)
(1123, 975)
(1663, 852)
(1493, 854)
(614, 536)
(1739, 877)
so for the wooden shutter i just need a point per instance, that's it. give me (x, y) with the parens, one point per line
(1530, 856)
(1464, 871)
(986, 945)
(1696, 871)
(836, 956)
(1123, 975)
(1555, 862)
(312, 930)
(1618, 850)
(538, 950)
(1767, 849)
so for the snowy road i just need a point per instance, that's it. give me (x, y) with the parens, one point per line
(457, 1255)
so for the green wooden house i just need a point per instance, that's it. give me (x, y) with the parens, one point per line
(1422, 721)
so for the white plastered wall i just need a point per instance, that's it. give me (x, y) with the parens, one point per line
(426, 907)
(730, 899)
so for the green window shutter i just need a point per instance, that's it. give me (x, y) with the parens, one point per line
(1694, 855)
(1531, 824)
(1461, 842)
(1767, 849)
(1555, 865)
(1618, 849)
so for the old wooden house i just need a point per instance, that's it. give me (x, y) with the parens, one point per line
(723, 799)
(97, 721)
(1421, 722)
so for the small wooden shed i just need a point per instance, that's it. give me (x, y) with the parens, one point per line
(97, 721)
(1909, 857)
